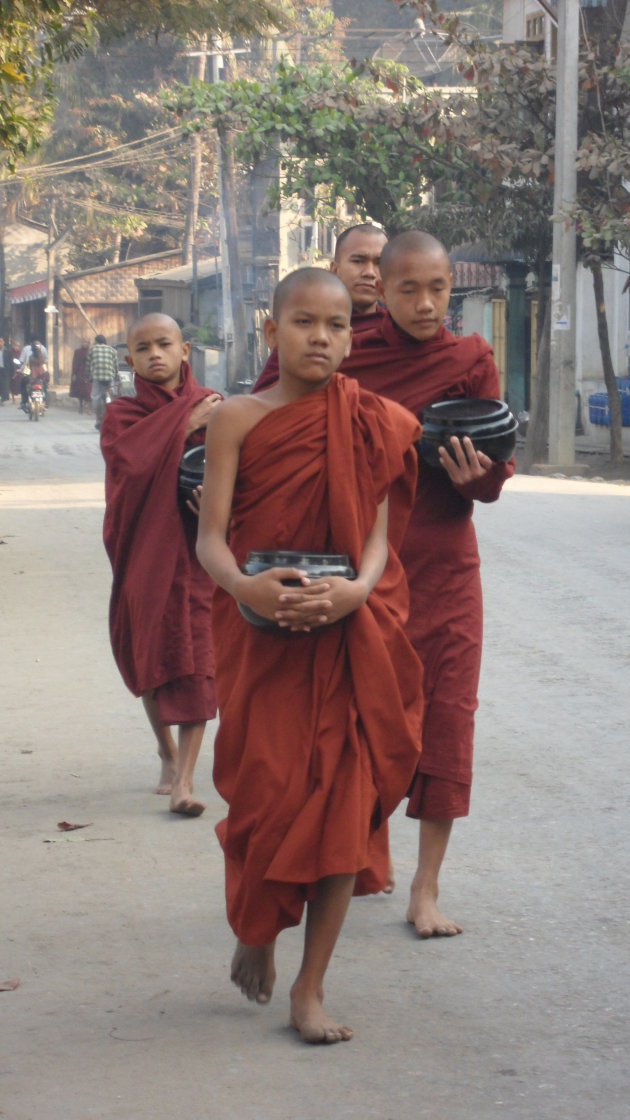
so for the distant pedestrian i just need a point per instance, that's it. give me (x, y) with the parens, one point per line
(4, 373)
(101, 369)
(80, 386)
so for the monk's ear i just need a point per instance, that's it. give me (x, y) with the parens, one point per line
(349, 346)
(186, 349)
(333, 267)
(380, 289)
(270, 328)
(129, 361)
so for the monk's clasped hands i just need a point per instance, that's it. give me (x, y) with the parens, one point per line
(320, 602)
(468, 463)
(300, 608)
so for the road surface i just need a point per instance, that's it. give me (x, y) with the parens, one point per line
(117, 932)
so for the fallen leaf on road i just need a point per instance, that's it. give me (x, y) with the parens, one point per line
(9, 985)
(64, 826)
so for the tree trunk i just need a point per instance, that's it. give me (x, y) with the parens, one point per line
(237, 353)
(194, 175)
(614, 400)
(537, 439)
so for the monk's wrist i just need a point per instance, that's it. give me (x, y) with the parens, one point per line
(362, 589)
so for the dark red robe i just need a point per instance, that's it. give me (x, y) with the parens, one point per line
(80, 386)
(319, 734)
(359, 323)
(161, 596)
(439, 554)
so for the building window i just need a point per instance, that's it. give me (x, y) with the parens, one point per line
(535, 28)
(149, 300)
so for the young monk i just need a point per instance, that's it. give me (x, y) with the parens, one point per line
(320, 717)
(161, 597)
(357, 255)
(411, 358)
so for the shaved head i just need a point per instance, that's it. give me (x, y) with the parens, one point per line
(412, 242)
(154, 320)
(308, 278)
(364, 228)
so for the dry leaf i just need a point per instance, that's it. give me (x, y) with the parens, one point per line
(64, 826)
(9, 985)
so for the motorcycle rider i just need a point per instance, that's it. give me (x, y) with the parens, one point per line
(33, 369)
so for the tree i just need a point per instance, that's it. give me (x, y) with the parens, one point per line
(116, 167)
(37, 34)
(485, 153)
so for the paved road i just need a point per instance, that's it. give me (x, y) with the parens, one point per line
(117, 932)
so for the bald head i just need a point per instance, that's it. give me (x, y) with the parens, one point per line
(357, 234)
(356, 262)
(416, 283)
(156, 349)
(154, 321)
(308, 279)
(414, 242)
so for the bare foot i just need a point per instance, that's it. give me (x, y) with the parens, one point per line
(312, 1023)
(167, 775)
(423, 913)
(182, 801)
(390, 882)
(253, 970)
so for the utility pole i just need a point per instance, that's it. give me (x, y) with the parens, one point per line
(50, 310)
(563, 269)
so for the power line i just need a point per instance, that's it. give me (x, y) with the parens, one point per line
(110, 156)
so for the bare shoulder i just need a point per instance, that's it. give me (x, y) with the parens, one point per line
(234, 417)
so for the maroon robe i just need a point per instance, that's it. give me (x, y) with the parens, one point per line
(161, 596)
(359, 323)
(439, 553)
(319, 734)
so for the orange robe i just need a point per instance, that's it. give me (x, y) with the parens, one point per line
(319, 733)
(439, 554)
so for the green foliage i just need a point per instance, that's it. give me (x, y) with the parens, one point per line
(134, 193)
(35, 34)
(471, 163)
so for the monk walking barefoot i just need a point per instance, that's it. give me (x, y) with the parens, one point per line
(189, 745)
(321, 705)
(161, 597)
(324, 919)
(167, 748)
(390, 882)
(413, 359)
(253, 971)
(423, 911)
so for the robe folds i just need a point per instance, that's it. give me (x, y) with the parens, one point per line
(319, 732)
(439, 553)
(161, 596)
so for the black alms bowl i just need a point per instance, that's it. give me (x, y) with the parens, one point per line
(317, 565)
(488, 423)
(190, 473)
